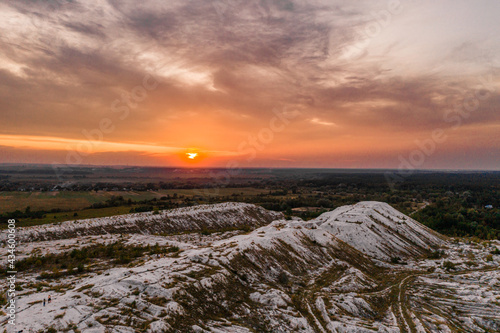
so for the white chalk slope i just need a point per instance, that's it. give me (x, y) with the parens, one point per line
(378, 230)
(212, 217)
(271, 279)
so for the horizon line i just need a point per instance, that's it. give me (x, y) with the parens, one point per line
(240, 168)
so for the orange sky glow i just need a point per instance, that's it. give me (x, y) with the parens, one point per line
(288, 84)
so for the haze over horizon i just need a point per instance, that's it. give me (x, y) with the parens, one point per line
(314, 84)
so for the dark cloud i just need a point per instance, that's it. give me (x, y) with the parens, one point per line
(93, 30)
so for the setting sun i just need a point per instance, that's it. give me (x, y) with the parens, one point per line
(192, 156)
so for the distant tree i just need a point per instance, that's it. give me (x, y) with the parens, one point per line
(324, 203)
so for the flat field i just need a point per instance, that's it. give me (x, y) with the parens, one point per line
(64, 200)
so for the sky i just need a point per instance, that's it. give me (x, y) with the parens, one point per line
(251, 83)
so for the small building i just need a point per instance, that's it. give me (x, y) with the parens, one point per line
(488, 206)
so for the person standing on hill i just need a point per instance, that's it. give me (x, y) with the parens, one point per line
(50, 299)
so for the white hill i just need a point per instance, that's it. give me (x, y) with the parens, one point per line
(378, 230)
(330, 274)
(223, 216)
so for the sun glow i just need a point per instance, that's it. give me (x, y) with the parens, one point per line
(192, 156)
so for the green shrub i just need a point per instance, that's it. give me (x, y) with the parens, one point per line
(448, 265)
(395, 260)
